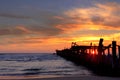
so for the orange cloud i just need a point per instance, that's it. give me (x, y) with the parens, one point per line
(17, 30)
(30, 44)
(103, 15)
(22, 28)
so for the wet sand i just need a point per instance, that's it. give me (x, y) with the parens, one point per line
(67, 78)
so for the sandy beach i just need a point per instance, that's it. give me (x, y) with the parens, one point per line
(80, 78)
(65, 78)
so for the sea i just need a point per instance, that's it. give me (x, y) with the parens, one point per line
(37, 65)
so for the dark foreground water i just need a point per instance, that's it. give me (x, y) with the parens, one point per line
(37, 65)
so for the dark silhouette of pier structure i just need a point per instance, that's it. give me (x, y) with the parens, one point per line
(102, 60)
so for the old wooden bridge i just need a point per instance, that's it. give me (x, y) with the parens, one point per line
(102, 60)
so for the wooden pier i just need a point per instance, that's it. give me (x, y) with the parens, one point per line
(102, 60)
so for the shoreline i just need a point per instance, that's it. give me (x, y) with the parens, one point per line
(72, 77)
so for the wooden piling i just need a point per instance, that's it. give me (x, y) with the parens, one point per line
(114, 53)
(108, 51)
(119, 52)
(100, 51)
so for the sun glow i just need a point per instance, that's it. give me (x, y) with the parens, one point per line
(93, 52)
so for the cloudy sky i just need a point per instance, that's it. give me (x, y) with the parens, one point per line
(46, 25)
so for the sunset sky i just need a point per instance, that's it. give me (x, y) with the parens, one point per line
(46, 25)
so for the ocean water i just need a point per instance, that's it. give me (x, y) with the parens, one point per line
(36, 65)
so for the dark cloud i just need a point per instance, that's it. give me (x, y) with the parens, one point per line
(20, 40)
(10, 15)
(113, 23)
(13, 31)
(24, 41)
(97, 19)
(22, 30)
(4, 31)
(41, 22)
(48, 31)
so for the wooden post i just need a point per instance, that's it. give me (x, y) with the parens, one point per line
(119, 51)
(100, 50)
(114, 53)
(108, 51)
